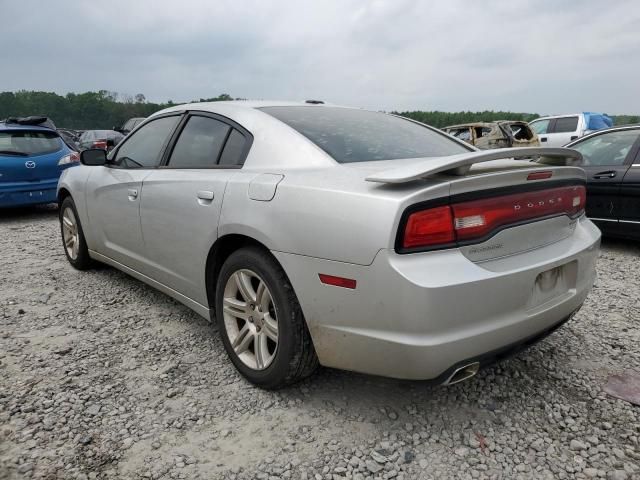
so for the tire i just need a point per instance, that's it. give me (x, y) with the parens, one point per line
(264, 361)
(76, 251)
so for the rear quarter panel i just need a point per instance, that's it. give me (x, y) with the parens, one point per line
(329, 213)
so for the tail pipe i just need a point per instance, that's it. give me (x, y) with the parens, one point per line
(463, 373)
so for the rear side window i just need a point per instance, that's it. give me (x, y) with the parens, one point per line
(461, 133)
(608, 148)
(520, 131)
(233, 153)
(350, 135)
(199, 143)
(25, 142)
(482, 131)
(566, 124)
(144, 148)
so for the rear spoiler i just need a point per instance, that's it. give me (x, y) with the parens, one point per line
(459, 165)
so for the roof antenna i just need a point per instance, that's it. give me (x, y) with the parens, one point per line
(314, 102)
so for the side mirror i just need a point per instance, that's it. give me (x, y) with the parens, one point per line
(93, 157)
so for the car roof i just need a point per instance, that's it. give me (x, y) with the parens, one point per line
(16, 126)
(620, 128)
(557, 116)
(547, 117)
(244, 106)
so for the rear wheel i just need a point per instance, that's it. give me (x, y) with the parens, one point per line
(259, 317)
(75, 247)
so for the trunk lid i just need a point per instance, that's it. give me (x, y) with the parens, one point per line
(32, 168)
(30, 156)
(523, 204)
(519, 189)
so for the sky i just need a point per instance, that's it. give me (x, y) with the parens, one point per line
(541, 56)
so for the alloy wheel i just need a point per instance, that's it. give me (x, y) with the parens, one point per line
(70, 234)
(250, 319)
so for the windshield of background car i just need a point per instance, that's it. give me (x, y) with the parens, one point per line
(29, 142)
(351, 135)
(539, 126)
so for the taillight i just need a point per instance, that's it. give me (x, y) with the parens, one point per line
(73, 157)
(100, 144)
(429, 227)
(476, 220)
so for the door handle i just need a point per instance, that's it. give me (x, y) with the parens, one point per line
(205, 195)
(133, 193)
(609, 174)
(543, 139)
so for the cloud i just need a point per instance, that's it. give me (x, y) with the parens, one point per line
(537, 56)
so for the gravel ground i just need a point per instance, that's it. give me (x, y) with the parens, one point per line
(103, 377)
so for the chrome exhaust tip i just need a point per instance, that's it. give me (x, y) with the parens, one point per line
(463, 373)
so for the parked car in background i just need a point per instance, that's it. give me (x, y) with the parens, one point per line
(559, 130)
(129, 125)
(499, 134)
(32, 157)
(262, 212)
(71, 137)
(612, 162)
(104, 139)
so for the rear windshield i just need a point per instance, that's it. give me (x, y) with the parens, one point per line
(351, 135)
(25, 142)
(101, 134)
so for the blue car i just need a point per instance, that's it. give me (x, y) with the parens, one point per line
(32, 157)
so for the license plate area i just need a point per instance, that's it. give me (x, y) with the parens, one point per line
(553, 285)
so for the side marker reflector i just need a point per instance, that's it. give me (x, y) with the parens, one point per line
(337, 281)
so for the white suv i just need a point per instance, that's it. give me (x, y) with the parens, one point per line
(559, 130)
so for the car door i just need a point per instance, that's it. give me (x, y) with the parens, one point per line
(182, 200)
(561, 131)
(541, 128)
(629, 217)
(114, 192)
(607, 157)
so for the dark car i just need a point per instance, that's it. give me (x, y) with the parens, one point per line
(105, 139)
(70, 137)
(129, 125)
(612, 163)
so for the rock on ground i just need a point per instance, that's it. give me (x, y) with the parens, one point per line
(103, 377)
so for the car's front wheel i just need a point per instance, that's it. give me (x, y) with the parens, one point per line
(75, 246)
(259, 317)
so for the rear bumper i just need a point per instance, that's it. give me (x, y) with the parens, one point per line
(28, 193)
(418, 316)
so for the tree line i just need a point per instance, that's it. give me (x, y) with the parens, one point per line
(89, 110)
(105, 109)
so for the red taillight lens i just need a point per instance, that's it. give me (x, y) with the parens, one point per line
(478, 219)
(429, 227)
(100, 144)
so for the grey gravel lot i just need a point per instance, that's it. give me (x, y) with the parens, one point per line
(103, 377)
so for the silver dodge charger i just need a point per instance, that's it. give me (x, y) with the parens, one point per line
(316, 234)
